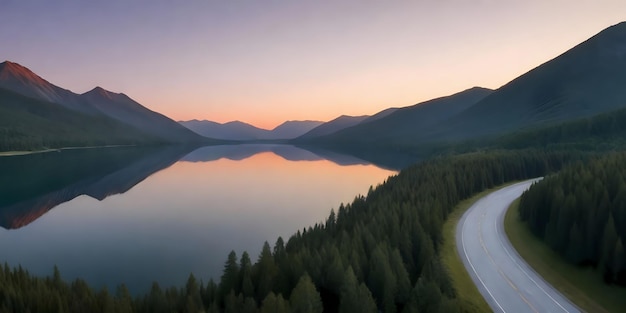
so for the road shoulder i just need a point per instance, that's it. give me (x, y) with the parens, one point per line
(581, 286)
(467, 291)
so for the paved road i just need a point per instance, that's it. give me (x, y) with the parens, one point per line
(503, 278)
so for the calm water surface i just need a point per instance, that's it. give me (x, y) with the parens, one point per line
(133, 217)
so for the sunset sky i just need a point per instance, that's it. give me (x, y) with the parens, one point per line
(267, 61)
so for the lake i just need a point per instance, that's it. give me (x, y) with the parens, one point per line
(134, 216)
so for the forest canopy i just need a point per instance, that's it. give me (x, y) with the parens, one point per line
(581, 214)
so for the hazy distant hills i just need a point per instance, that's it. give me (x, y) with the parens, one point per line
(241, 131)
(245, 132)
(38, 114)
(229, 131)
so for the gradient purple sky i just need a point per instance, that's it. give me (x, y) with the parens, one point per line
(267, 61)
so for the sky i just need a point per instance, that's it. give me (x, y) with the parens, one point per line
(268, 61)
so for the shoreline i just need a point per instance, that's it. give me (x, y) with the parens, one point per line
(20, 153)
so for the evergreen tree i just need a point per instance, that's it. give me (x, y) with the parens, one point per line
(230, 278)
(265, 271)
(305, 298)
(275, 304)
(245, 275)
(355, 297)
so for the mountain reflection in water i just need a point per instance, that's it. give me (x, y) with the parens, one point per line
(137, 215)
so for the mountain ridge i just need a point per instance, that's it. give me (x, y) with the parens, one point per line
(398, 123)
(123, 108)
(585, 80)
(18, 78)
(96, 103)
(335, 125)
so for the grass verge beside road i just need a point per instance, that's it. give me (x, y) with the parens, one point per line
(14, 153)
(583, 286)
(467, 291)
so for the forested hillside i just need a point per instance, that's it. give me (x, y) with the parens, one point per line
(379, 252)
(600, 132)
(32, 124)
(581, 214)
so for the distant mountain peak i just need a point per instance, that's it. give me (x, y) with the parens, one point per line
(110, 95)
(479, 88)
(100, 92)
(11, 70)
(9, 64)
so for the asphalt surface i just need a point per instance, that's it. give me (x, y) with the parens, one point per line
(502, 276)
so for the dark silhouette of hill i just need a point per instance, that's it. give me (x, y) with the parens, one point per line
(293, 129)
(26, 194)
(403, 122)
(380, 114)
(584, 81)
(333, 126)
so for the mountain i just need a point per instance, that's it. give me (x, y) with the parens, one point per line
(245, 132)
(403, 123)
(293, 129)
(23, 81)
(335, 125)
(380, 114)
(124, 109)
(584, 81)
(28, 123)
(235, 130)
(51, 107)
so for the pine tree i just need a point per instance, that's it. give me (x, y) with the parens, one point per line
(265, 271)
(305, 298)
(230, 277)
(275, 304)
(245, 275)
(355, 297)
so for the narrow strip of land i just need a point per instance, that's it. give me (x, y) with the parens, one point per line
(16, 153)
(503, 278)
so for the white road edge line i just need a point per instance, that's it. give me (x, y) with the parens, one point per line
(522, 269)
(474, 269)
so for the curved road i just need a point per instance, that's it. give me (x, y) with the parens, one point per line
(502, 276)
